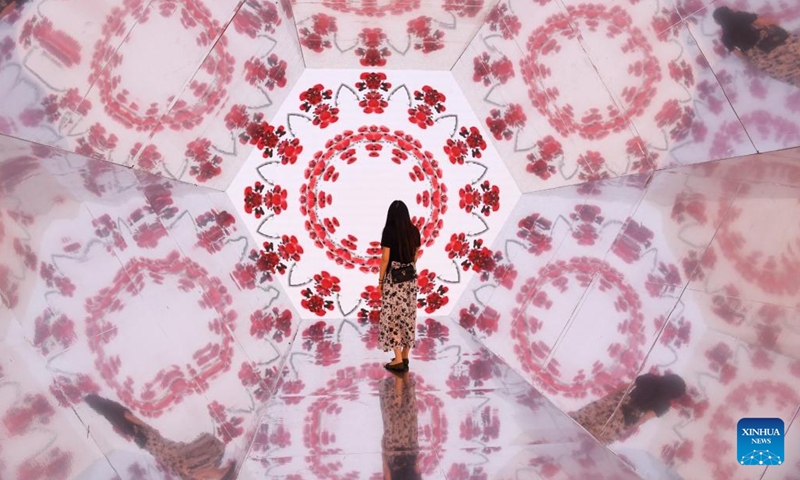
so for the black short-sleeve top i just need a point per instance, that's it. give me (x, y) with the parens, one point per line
(389, 240)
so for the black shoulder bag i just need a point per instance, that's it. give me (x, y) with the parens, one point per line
(403, 274)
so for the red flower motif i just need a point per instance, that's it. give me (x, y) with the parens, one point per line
(289, 249)
(325, 115)
(35, 410)
(254, 18)
(482, 259)
(373, 81)
(275, 199)
(254, 199)
(373, 102)
(315, 303)
(502, 69)
(289, 150)
(469, 198)
(274, 323)
(456, 151)
(681, 119)
(535, 231)
(463, 8)
(719, 358)
(458, 246)
(371, 54)
(269, 261)
(503, 124)
(421, 115)
(668, 280)
(326, 284)
(689, 204)
(237, 118)
(630, 243)
(314, 96)
(427, 40)
(501, 21)
(482, 71)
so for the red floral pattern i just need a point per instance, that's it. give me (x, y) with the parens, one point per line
(316, 299)
(592, 124)
(501, 20)
(486, 200)
(503, 125)
(536, 231)
(318, 37)
(373, 53)
(425, 38)
(624, 355)
(541, 163)
(488, 71)
(373, 85)
(258, 200)
(344, 250)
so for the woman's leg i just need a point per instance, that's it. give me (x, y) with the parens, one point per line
(398, 356)
(405, 352)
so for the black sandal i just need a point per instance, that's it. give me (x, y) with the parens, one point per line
(405, 361)
(397, 367)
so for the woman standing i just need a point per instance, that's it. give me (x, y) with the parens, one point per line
(196, 460)
(762, 42)
(610, 417)
(400, 244)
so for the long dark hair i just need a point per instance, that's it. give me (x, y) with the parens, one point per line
(115, 414)
(404, 467)
(723, 15)
(654, 393)
(398, 222)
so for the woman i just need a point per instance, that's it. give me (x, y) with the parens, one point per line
(762, 42)
(400, 443)
(609, 418)
(400, 243)
(198, 460)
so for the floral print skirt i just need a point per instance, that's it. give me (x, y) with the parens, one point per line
(398, 313)
(781, 63)
(184, 459)
(604, 417)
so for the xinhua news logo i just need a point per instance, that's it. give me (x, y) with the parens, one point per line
(760, 441)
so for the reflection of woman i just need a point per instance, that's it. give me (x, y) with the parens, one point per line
(608, 418)
(400, 242)
(197, 460)
(761, 42)
(400, 442)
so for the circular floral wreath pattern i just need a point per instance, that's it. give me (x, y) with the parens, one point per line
(343, 386)
(320, 110)
(625, 353)
(544, 41)
(342, 148)
(171, 383)
(216, 71)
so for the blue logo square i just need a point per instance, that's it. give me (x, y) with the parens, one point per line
(760, 441)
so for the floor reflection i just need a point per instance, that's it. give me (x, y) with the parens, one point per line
(198, 459)
(400, 437)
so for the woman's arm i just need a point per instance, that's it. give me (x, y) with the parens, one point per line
(765, 21)
(384, 266)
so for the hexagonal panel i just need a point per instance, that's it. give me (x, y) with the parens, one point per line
(344, 146)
